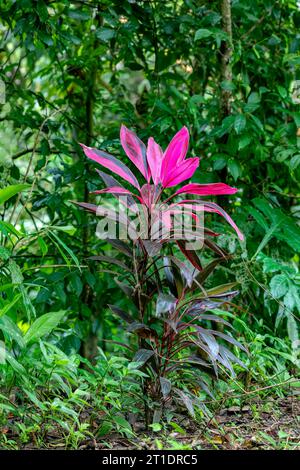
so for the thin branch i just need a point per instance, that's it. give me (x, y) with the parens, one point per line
(46, 266)
(25, 151)
(268, 13)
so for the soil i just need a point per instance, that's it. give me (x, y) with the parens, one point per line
(272, 424)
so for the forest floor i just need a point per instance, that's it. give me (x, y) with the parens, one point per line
(269, 424)
(274, 424)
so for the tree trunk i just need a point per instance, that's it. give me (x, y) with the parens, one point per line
(89, 344)
(226, 56)
(226, 51)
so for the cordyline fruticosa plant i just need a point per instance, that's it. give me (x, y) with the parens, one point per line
(176, 337)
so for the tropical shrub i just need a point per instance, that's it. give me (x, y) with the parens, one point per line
(176, 333)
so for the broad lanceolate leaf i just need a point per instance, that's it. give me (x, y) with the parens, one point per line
(6, 228)
(279, 285)
(190, 255)
(214, 318)
(10, 191)
(142, 356)
(197, 205)
(212, 207)
(43, 325)
(182, 172)
(165, 386)
(121, 246)
(111, 214)
(186, 273)
(207, 270)
(169, 273)
(205, 387)
(126, 288)
(230, 356)
(11, 330)
(215, 248)
(175, 153)
(141, 330)
(110, 182)
(202, 34)
(111, 163)
(223, 290)
(197, 361)
(117, 190)
(16, 366)
(110, 260)
(239, 123)
(229, 339)
(63, 248)
(165, 304)
(121, 313)
(87, 206)
(8, 306)
(186, 400)
(292, 329)
(206, 189)
(210, 341)
(154, 157)
(199, 307)
(135, 149)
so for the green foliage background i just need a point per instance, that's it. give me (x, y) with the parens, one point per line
(73, 71)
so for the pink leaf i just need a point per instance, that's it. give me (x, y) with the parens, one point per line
(148, 194)
(112, 163)
(154, 157)
(135, 149)
(176, 151)
(182, 172)
(210, 207)
(206, 189)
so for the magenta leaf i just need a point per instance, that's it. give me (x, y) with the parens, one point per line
(135, 149)
(197, 205)
(112, 163)
(176, 151)
(212, 207)
(182, 172)
(211, 189)
(154, 157)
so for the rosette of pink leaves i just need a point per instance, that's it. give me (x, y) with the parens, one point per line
(160, 170)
